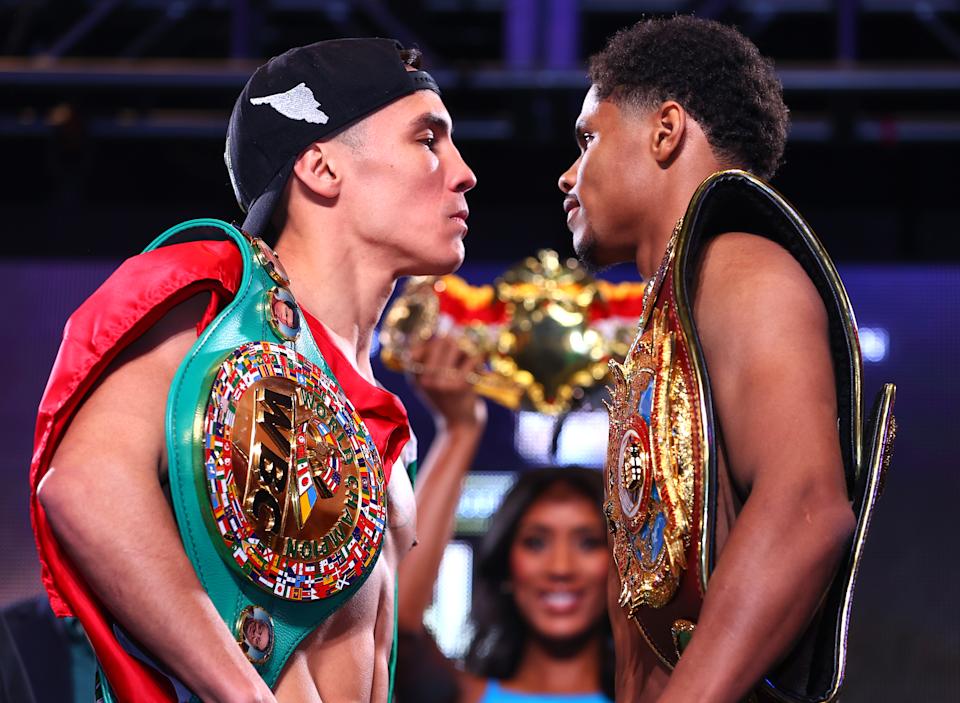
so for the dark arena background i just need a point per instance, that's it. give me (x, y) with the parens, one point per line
(112, 118)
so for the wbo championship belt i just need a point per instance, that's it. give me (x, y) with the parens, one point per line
(661, 469)
(276, 483)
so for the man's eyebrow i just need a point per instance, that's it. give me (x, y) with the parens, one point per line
(432, 120)
(579, 128)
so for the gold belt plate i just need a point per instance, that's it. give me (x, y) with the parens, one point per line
(295, 486)
(650, 470)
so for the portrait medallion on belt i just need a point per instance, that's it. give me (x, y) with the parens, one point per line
(255, 634)
(295, 486)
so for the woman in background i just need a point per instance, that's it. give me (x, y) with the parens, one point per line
(540, 628)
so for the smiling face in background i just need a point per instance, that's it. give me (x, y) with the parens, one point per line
(558, 565)
(608, 188)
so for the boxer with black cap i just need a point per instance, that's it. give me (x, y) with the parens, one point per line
(280, 112)
(340, 153)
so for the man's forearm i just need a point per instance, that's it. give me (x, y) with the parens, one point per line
(771, 576)
(438, 493)
(148, 583)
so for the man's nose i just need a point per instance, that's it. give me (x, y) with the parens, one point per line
(465, 179)
(568, 179)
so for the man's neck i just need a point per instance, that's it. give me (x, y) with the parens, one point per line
(676, 191)
(340, 286)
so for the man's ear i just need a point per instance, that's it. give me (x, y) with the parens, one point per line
(317, 169)
(670, 125)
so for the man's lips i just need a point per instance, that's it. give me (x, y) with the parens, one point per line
(460, 217)
(570, 203)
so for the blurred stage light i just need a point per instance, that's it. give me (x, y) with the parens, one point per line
(481, 496)
(874, 344)
(533, 436)
(446, 617)
(582, 440)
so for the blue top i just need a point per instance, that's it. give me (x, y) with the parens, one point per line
(495, 694)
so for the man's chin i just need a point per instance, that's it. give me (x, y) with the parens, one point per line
(437, 268)
(452, 264)
(594, 257)
(587, 251)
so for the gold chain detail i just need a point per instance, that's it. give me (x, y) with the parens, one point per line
(653, 285)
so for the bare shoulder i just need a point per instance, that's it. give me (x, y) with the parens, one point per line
(123, 415)
(753, 301)
(764, 331)
(745, 279)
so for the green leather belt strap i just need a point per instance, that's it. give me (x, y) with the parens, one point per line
(244, 319)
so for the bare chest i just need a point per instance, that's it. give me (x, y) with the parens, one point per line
(347, 658)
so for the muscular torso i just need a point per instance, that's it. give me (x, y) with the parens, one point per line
(347, 658)
(763, 330)
(641, 676)
(109, 469)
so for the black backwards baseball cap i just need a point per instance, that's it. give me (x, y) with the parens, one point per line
(302, 96)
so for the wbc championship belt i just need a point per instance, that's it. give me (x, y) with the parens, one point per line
(276, 483)
(661, 467)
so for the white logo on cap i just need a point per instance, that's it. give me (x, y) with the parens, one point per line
(297, 103)
(233, 178)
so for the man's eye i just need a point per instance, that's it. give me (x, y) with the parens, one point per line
(428, 141)
(586, 137)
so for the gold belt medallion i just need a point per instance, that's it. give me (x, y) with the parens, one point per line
(295, 485)
(650, 471)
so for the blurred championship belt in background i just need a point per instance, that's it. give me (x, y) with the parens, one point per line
(545, 329)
